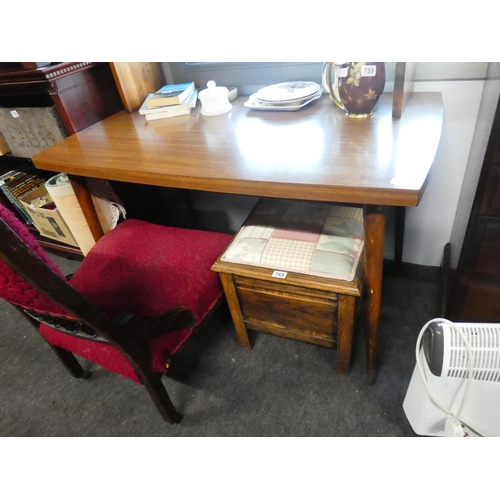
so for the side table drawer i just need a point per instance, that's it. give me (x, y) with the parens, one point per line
(288, 310)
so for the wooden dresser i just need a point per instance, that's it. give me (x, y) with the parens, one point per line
(41, 105)
(475, 294)
(81, 92)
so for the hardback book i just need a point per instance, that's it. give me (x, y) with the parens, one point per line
(24, 184)
(166, 111)
(167, 114)
(170, 94)
(5, 181)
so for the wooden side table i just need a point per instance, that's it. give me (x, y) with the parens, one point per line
(295, 269)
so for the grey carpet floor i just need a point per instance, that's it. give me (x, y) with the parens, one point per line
(280, 388)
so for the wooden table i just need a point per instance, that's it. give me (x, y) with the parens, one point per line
(316, 153)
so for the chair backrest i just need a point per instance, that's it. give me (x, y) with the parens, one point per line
(13, 287)
(31, 281)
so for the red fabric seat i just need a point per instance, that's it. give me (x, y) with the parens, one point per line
(145, 269)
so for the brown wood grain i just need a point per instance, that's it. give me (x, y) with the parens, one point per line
(345, 329)
(315, 153)
(404, 79)
(302, 307)
(374, 220)
(235, 309)
(87, 205)
(135, 80)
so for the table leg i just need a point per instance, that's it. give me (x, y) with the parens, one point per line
(399, 236)
(374, 219)
(87, 205)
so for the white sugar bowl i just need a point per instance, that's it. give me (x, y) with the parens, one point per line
(214, 100)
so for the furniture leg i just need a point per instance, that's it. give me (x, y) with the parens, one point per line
(161, 399)
(87, 205)
(152, 382)
(374, 219)
(399, 236)
(69, 360)
(234, 308)
(345, 329)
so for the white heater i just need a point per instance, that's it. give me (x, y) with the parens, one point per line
(455, 386)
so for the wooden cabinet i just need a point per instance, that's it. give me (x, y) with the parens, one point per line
(81, 93)
(476, 289)
(40, 105)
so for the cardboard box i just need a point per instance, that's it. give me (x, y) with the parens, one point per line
(48, 221)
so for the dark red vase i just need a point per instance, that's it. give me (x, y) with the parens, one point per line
(360, 85)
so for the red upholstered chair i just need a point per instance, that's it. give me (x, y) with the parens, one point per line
(132, 303)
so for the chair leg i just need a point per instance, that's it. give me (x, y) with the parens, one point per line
(161, 399)
(67, 358)
(70, 362)
(152, 382)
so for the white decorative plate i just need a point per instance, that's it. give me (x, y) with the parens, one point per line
(287, 91)
(255, 103)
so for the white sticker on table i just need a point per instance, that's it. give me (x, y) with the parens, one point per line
(279, 274)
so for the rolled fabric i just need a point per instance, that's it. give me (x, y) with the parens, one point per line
(108, 207)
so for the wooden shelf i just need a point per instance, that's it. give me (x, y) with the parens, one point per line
(58, 248)
(11, 163)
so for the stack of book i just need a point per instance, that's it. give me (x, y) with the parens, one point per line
(170, 100)
(15, 185)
